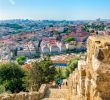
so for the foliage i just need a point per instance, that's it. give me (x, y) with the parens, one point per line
(64, 73)
(69, 39)
(67, 30)
(41, 72)
(95, 27)
(21, 60)
(15, 26)
(86, 28)
(59, 74)
(14, 51)
(71, 66)
(56, 32)
(11, 77)
(2, 89)
(98, 27)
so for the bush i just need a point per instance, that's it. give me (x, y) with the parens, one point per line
(71, 66)
(69, 39)
(2, 89)
(59, 74)
(11, 77)
(41, 72)
(21, 60)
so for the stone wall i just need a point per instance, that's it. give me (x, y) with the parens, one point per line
(26, 95)
(91, 80)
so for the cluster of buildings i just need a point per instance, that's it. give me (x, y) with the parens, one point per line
(43, 38)
(51, 45)
(28, 49)
(33, 44)
(14, 46)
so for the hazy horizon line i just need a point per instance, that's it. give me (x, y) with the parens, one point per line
(52, 19)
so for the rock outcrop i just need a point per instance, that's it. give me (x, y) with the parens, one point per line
(91, 81)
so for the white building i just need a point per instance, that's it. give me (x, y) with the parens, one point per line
(23, 51)
(54, 49)
(61, 46)
(70, 46)
(45, 49)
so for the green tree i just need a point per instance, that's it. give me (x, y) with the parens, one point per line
(2, 89)
(69, 39)
(68, 31)
(71, 66)
(11, 76)
(21, 60)
(56, 32)
(14, 52)
(66, 73)
(59, 74)
(41, 72)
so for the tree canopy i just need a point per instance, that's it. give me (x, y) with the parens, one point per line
(69, 39)
(21, 60)
(72, 64)
(11, 76)
(42, 72)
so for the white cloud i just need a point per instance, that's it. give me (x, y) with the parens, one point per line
(12, 2)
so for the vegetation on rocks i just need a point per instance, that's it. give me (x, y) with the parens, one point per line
(64, 73)
(72, 64)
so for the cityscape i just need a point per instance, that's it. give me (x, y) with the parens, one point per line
(54, 50)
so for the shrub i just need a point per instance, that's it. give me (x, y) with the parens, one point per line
(2, 89)
(41, 72)
(11, 77)
(69, 39)
(21, 60)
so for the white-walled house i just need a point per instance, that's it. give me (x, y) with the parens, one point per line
(61, 46)
(54, 48)
(45, 49)
(70, 46)
(23, 51)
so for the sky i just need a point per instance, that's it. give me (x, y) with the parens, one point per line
(55, 9)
